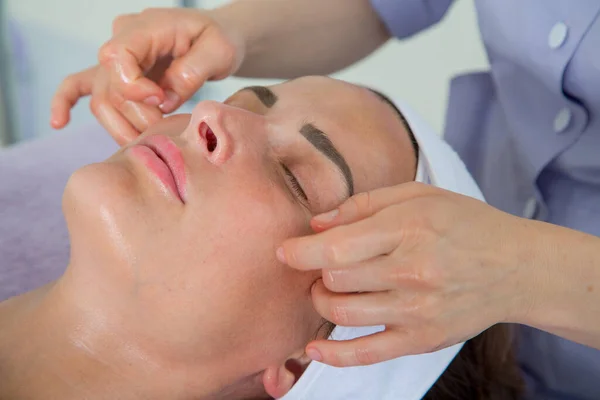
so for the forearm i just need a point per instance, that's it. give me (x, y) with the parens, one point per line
(566, 284)
(291, 38)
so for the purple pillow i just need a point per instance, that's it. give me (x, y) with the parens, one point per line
(34, 245)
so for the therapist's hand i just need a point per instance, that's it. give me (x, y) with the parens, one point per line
(436, 268)
(155, 61)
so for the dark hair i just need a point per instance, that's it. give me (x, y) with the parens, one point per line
(484, 369)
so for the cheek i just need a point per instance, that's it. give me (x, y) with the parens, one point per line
(234, 266)
(247, 224)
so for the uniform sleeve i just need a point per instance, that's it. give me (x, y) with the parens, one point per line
(404, 18)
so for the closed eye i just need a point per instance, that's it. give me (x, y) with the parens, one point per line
(295, 185)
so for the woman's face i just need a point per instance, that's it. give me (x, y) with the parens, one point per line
(186, 273)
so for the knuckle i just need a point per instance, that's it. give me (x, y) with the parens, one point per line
(362, 203)
(118, 22)
(433, 277)
(427, 274)
(115, 98)
(397, 277)
(418, 274)
(187, 74)
(95, 106)
(69, 82)
(331, 252)
(226, 53)
(339, 314)
(107, 52)
(365, 356)
(417, 229)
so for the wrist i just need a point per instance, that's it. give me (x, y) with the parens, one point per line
(526, 259)
(561, 278)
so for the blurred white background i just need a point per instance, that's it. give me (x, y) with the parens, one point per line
(58, 37)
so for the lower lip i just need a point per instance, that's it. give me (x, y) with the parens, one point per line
(157, 166)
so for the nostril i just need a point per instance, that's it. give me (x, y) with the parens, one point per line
(209, 137)
(211, 140)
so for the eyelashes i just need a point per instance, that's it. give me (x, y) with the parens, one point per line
(296, 187)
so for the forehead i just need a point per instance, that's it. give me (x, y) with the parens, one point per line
(367, 131)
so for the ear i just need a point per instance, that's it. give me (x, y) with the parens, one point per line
(279, 379)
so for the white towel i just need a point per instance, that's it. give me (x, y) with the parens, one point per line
(404, 378)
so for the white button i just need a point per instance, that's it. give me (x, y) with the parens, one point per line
(530, 208)
(558, 35)
(562, 120)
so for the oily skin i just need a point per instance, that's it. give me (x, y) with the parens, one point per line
(156, 286)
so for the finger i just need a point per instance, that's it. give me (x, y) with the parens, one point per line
(210, 57)
(118, 127)
(120, 22)
(140, 116)
(68, 93)
(106, 113)
(123, 56)
(365, 350)
(365, 204)
(342, 246)
(380, 274)
(358, 309)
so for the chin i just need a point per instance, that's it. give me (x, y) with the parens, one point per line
(97, 202)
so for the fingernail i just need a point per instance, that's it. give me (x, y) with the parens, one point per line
(281, 255)
(314, 354)
(327, 217)
(171, 101)
(152, 101)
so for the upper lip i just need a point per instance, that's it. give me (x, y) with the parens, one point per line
(171, 155)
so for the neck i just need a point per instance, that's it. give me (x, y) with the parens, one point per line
(48, 351)
(55, 344)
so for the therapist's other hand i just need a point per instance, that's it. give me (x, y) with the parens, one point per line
(436, 268)
(155, 61)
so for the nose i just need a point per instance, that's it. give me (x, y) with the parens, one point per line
(208, 129)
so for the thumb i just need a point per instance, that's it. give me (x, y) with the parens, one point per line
(211, 57)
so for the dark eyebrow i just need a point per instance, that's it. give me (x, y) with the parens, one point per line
(264, 94)
(321, 142)
(315, 136)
